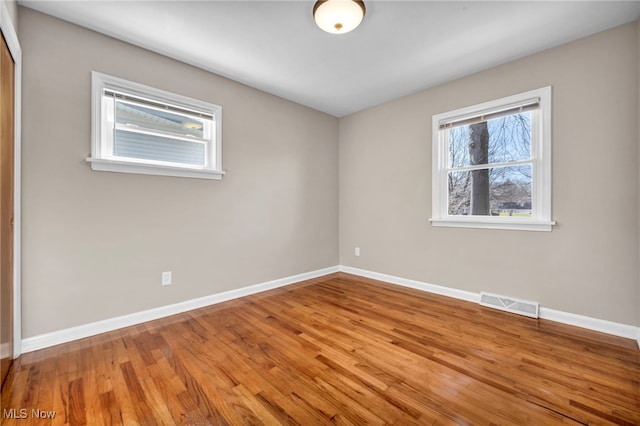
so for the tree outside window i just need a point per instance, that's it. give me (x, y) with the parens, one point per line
(492, 164)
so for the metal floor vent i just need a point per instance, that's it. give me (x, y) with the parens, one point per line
(509, 304)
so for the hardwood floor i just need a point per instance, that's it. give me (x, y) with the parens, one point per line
(335, 350)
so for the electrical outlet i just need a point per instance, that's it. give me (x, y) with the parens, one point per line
(166, 278)
(357, 251)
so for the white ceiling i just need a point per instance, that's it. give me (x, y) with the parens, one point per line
(400, 48)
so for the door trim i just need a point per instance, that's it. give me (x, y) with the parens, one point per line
(10, 36)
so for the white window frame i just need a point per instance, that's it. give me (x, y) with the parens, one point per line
(540, 161)
(102, 158)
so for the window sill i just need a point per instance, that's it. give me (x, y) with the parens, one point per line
(103, 165)
(494, 223)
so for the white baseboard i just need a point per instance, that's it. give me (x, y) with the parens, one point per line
(86, 330)
(609, 327)
(418, 285)
(74, 333)
(595, 324)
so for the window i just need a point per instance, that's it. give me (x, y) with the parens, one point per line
(140, 129)
(492, 164)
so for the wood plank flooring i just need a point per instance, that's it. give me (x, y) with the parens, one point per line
(334, 350)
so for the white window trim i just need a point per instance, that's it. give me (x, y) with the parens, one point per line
(541, 155)
(97, 159)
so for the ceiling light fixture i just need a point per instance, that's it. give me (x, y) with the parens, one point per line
(338, 16)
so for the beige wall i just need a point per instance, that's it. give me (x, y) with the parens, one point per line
(588, 264)
(95, 243)
(12, 8)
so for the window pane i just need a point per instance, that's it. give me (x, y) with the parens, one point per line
(509, 139)
(498, 191)
(510, 191)
(459, 193)
(458, 146)
(158, 148)
(128, 113)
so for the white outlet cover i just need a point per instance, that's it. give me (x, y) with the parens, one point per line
(166, 278)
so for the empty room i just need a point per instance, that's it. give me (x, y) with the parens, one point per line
(308, 212)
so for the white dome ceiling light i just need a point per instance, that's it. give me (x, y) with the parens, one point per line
(338, 16)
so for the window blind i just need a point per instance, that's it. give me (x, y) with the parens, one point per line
(157, 148)
(520, 108)
(158, 105)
